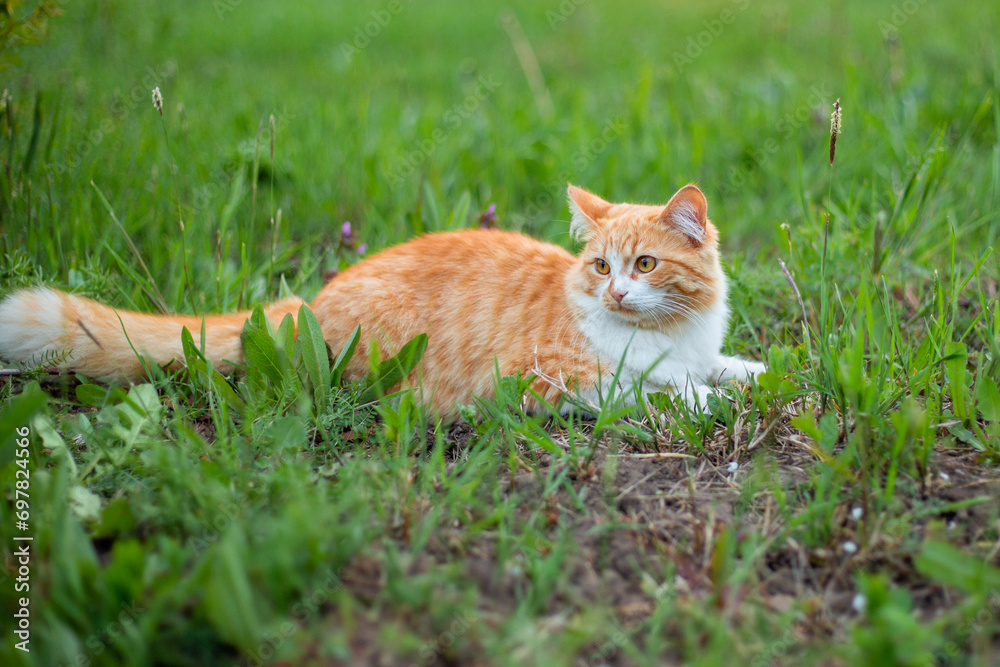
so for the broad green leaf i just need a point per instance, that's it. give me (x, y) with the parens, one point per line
(194, 360)
(824, 433)
(988, 398)
(261, 353)
(136, 416)
(91, 394)
(226, 390)
(198, 367)
(44, 428)
(16, 416)
(85, 503)
(97, 396)
(116, 517)
(392, 371)
(228, 594)
(259, 319)
(346, 353)
(187, 344)
(315, 357)
(285, 337)
(955, 356)
(953, 567)
(769, 382)
(142, 401)
(807, 424)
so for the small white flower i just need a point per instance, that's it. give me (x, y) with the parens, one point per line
(860, 603)
(849, 547)
(158, 100)
(952, 524)
(733, 466)
(857, 513)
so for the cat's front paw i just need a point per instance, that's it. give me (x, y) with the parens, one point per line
(734, 368)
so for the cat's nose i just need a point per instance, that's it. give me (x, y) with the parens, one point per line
(618, 295)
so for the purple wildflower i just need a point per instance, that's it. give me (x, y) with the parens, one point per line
(488, 218)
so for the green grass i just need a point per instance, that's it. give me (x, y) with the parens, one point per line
(280, 517)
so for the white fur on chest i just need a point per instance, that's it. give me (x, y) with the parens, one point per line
(686, 356)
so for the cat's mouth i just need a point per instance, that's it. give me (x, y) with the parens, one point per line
(627, 311)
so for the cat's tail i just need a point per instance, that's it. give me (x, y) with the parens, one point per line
(49, 328)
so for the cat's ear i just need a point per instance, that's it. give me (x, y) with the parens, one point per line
(587, 209)
(687, 212)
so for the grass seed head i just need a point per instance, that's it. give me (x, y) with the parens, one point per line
(158, 100)
(834, 129)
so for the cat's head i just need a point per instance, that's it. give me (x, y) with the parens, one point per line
(654, 266)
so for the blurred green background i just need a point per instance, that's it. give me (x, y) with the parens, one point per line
(388, 115)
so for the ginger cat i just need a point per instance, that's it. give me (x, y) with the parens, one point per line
(647, 294)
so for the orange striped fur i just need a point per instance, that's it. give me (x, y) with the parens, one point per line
(484, 297)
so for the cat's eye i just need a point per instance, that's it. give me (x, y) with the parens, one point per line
(602, 267)
(645, 264)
